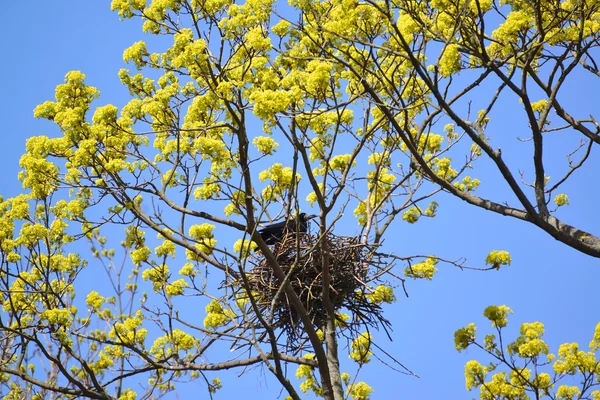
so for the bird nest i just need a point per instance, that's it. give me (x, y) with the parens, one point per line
(301, 258)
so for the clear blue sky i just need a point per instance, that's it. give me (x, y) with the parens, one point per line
(546, 282)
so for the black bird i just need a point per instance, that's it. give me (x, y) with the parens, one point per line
(274, 233)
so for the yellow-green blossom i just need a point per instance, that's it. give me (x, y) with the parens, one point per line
(361, 348)
(561, 200)
(464, 337)
(423, 270)
(498, 315)
(496, 258)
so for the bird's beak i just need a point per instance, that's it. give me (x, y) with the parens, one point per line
(312, 216)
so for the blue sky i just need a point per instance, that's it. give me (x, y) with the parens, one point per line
(546, 282)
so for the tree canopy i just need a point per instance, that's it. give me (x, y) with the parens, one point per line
(369, 114)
